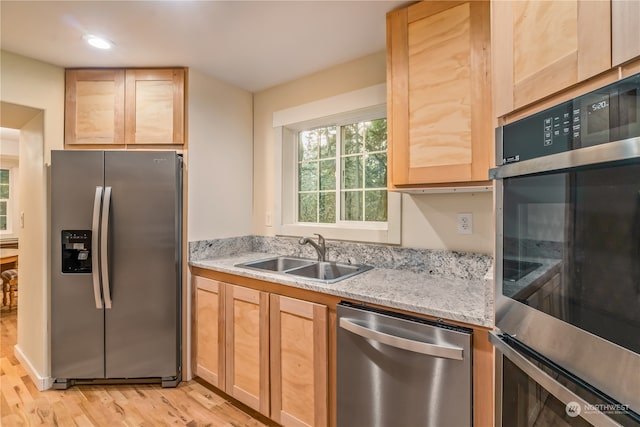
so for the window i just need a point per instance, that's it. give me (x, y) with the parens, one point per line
(331, 170)
(4, 199)
(342, 173)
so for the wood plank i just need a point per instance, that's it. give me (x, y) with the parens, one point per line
(625, 19)
(482, 119)
(594, 37)
(398, 107)
(440, 89)
(544, 33)
(320, 366)
(502, 56)
(424, 9)
(555, 77)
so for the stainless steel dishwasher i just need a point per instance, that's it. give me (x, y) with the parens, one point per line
(401, 371)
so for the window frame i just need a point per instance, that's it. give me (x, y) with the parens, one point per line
(8, 201)
(361, 105)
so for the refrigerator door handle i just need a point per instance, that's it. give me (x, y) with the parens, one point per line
(104, 247)
(95, 270)
(436, 350)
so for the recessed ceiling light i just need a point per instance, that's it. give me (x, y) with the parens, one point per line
(98, 42)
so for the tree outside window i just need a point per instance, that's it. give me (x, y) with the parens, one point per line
(342, 173)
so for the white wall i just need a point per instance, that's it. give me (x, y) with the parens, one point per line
(33, 304)
(220, 159)
(428, 221)
(9, 148)
(34, 84)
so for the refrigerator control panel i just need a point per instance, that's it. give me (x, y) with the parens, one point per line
(76, 251)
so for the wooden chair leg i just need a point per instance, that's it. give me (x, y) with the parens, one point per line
(5, 292)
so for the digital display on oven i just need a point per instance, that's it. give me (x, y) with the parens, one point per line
(598, 115)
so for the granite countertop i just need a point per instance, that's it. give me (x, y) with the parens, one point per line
(464, 300)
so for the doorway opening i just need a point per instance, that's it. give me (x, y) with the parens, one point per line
(23, 224)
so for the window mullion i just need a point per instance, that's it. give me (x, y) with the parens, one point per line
(338, 173)
(364, 168)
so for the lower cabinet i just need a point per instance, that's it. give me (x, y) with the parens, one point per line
(246, 325)
(209, 330)
(299, 361)
(268, 351)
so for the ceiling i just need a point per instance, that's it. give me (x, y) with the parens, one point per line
(250, 44)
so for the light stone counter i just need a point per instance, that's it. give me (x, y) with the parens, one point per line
(450, 298)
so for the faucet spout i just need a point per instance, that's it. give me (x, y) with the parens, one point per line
(319, 247)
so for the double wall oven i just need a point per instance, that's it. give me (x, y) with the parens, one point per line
(568, 263)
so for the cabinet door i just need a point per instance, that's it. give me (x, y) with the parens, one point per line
(439, 109)
(247, 342)
(209, 330)
(543, 47)
(625, 22)
(94, 107)
(299, 361)
(155, 106)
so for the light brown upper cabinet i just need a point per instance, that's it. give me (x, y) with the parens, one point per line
(625, 19)
(299, 378)
(94, 107)
(132, 106)
(439, 94)
(543, 47)
(154, 106)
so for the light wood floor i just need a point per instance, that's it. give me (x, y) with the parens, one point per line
(21, 404)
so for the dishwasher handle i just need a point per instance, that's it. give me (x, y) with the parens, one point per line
(435, 350)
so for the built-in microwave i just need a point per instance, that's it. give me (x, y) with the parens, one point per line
(568, 240)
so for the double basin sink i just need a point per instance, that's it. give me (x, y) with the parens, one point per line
(323, 271)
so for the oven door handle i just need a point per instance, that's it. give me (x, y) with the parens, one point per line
(561, 393)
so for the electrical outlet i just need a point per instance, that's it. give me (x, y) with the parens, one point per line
(465, 223)
(267, 219)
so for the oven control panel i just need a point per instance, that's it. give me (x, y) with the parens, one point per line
(604, 115)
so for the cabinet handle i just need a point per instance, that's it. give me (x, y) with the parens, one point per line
(435, 350)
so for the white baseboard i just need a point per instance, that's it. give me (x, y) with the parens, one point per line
(42, 383)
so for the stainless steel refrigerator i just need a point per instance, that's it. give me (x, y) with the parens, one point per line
(116, 250)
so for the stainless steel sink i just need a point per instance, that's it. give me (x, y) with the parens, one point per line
(327, 272)
(281, 263)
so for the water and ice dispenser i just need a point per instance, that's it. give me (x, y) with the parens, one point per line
(76, 251)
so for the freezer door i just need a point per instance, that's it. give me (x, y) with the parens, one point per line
(77, 325)
(142, 325)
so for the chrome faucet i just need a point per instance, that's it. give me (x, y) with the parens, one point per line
(319, 247)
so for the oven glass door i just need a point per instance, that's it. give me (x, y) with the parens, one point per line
(571, 247)
(534, 392)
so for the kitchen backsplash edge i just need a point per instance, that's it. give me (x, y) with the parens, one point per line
(454, 264)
